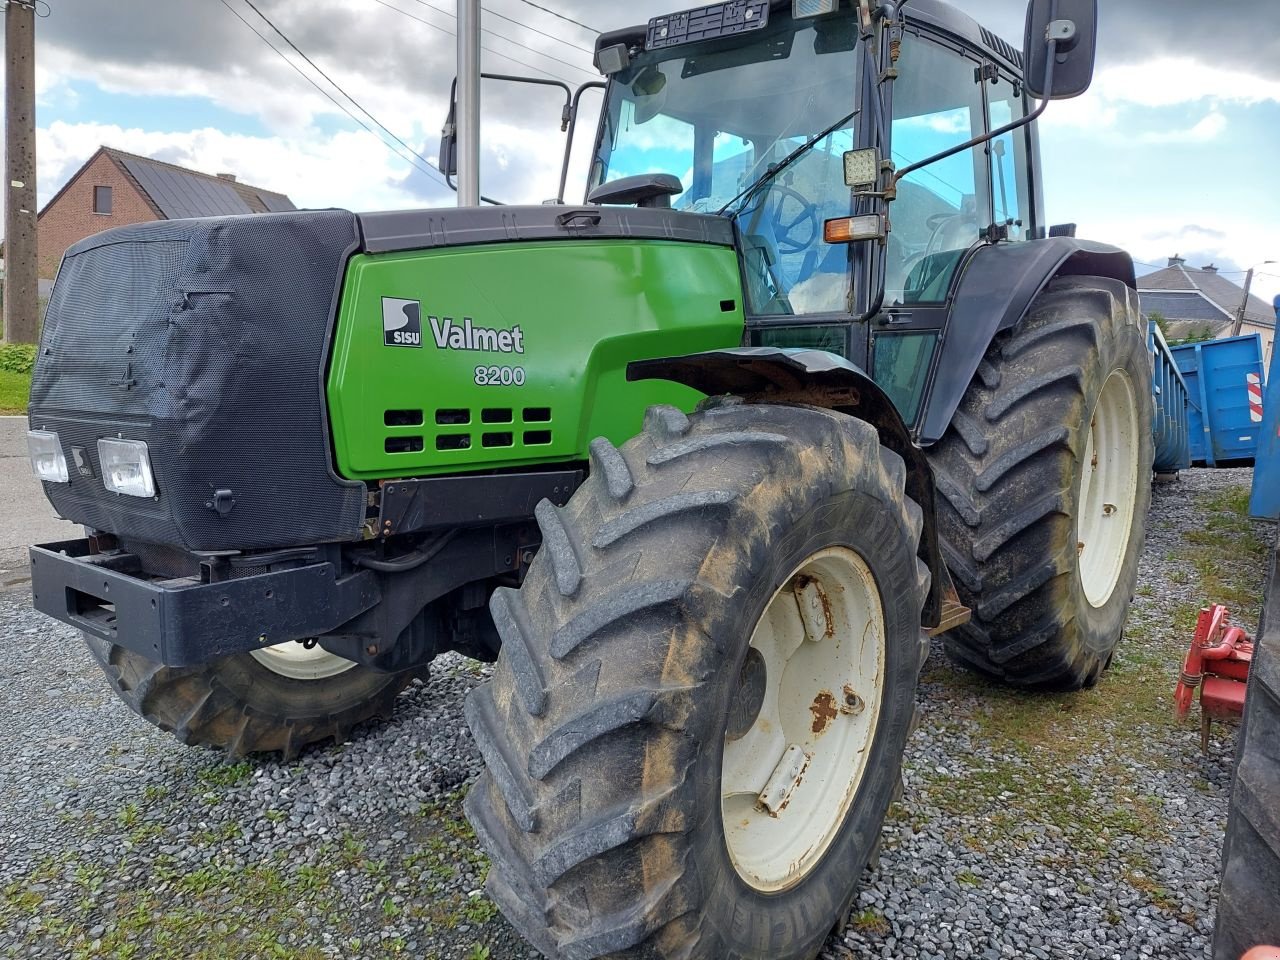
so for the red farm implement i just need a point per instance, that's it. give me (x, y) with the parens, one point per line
(1218, 666)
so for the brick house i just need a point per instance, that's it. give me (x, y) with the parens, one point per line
(115, 188)
(1200, 301)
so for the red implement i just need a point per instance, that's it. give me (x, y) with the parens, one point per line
(1218, 665)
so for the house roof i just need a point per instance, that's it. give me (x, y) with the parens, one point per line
(1211, 285)
(1183, 305)
(175, 192)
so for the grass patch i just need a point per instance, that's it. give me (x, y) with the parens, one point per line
(227, 774)
(1228, 554)
(871, 922)
(15, 388)
(221, 909)
(1035, 785)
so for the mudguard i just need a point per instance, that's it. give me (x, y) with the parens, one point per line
(777, 375)
(995, 291)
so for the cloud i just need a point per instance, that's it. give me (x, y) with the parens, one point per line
(1119, 102)
(1233, 244)
(1208, 129)
(1166, 81)
(315, 172)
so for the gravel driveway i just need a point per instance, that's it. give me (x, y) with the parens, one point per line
(1083, 826)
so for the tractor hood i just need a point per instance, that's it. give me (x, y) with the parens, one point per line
(274, 363)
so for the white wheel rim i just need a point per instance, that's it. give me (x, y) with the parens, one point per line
(788, 783)
(298, 662)
(1108, 489)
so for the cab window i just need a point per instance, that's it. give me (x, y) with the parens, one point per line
(941, 209)
(1011, 191)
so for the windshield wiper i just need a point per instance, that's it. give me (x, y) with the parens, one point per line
(786, 161)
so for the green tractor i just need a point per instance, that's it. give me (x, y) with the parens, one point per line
(701, 463)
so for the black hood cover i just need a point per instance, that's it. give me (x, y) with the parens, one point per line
(207, 339)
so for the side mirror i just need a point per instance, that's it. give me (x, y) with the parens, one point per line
(645, 190)
(447, 158)
(1073, 24)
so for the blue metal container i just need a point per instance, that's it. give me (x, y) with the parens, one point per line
(1223, 425)
(1266, 468)
(1170, 400)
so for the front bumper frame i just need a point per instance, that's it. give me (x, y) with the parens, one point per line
(186, 622)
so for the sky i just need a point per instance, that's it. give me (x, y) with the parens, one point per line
(1174, 150)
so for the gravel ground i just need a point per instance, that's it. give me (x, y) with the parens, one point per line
(1083, 826)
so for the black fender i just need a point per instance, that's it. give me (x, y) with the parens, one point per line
(774, 375)
(994, 292)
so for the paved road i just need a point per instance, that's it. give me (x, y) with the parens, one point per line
(25, 515)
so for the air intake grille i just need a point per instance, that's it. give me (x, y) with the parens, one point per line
(459, 429)
(1005, 50)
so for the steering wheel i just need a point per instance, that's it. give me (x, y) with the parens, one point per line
(796, 224)
(939, 224)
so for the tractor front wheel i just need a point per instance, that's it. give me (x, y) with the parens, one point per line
(697, 719)
(275, 700)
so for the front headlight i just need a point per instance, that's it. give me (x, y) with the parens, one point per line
(47, 460)
(126, 468)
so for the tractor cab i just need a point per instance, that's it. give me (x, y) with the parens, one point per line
(795, 126)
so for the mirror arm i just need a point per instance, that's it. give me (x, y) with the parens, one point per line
(573, 126)
(538, 81)
(512, 78)
(999, 132)
(448, 179)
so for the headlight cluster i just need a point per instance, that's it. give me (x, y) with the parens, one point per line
(125, 464)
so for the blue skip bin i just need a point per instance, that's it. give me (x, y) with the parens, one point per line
(1171, 403)
(1223, 378)
(1266, 469)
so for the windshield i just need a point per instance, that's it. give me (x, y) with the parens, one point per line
(718, 118)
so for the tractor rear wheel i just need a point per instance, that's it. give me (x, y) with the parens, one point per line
(279, 699)
(1045, 481)
(1247, 914)
(697, 719)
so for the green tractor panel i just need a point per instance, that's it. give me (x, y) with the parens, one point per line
(440, 368)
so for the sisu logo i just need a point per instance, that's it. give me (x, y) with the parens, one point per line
(401, 322)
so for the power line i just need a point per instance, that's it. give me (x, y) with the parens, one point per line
(451, 33)
(302, 73)
(448, 32)
(252, 6)
(554, 13)
(519, 23)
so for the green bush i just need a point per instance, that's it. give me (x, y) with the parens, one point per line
(17, 357)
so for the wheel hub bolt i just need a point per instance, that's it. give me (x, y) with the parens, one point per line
(853, 704)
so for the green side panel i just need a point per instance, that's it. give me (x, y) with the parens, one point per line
(521, 349)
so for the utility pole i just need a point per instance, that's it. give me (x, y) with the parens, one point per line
(21, 283)
(468, 116)
(1244, 301)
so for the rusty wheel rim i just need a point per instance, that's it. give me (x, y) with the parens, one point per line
(789, 781)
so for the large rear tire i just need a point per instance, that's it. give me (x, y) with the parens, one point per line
(1045, 480)
(728, 609)
(1249, 905)
(270, 701)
